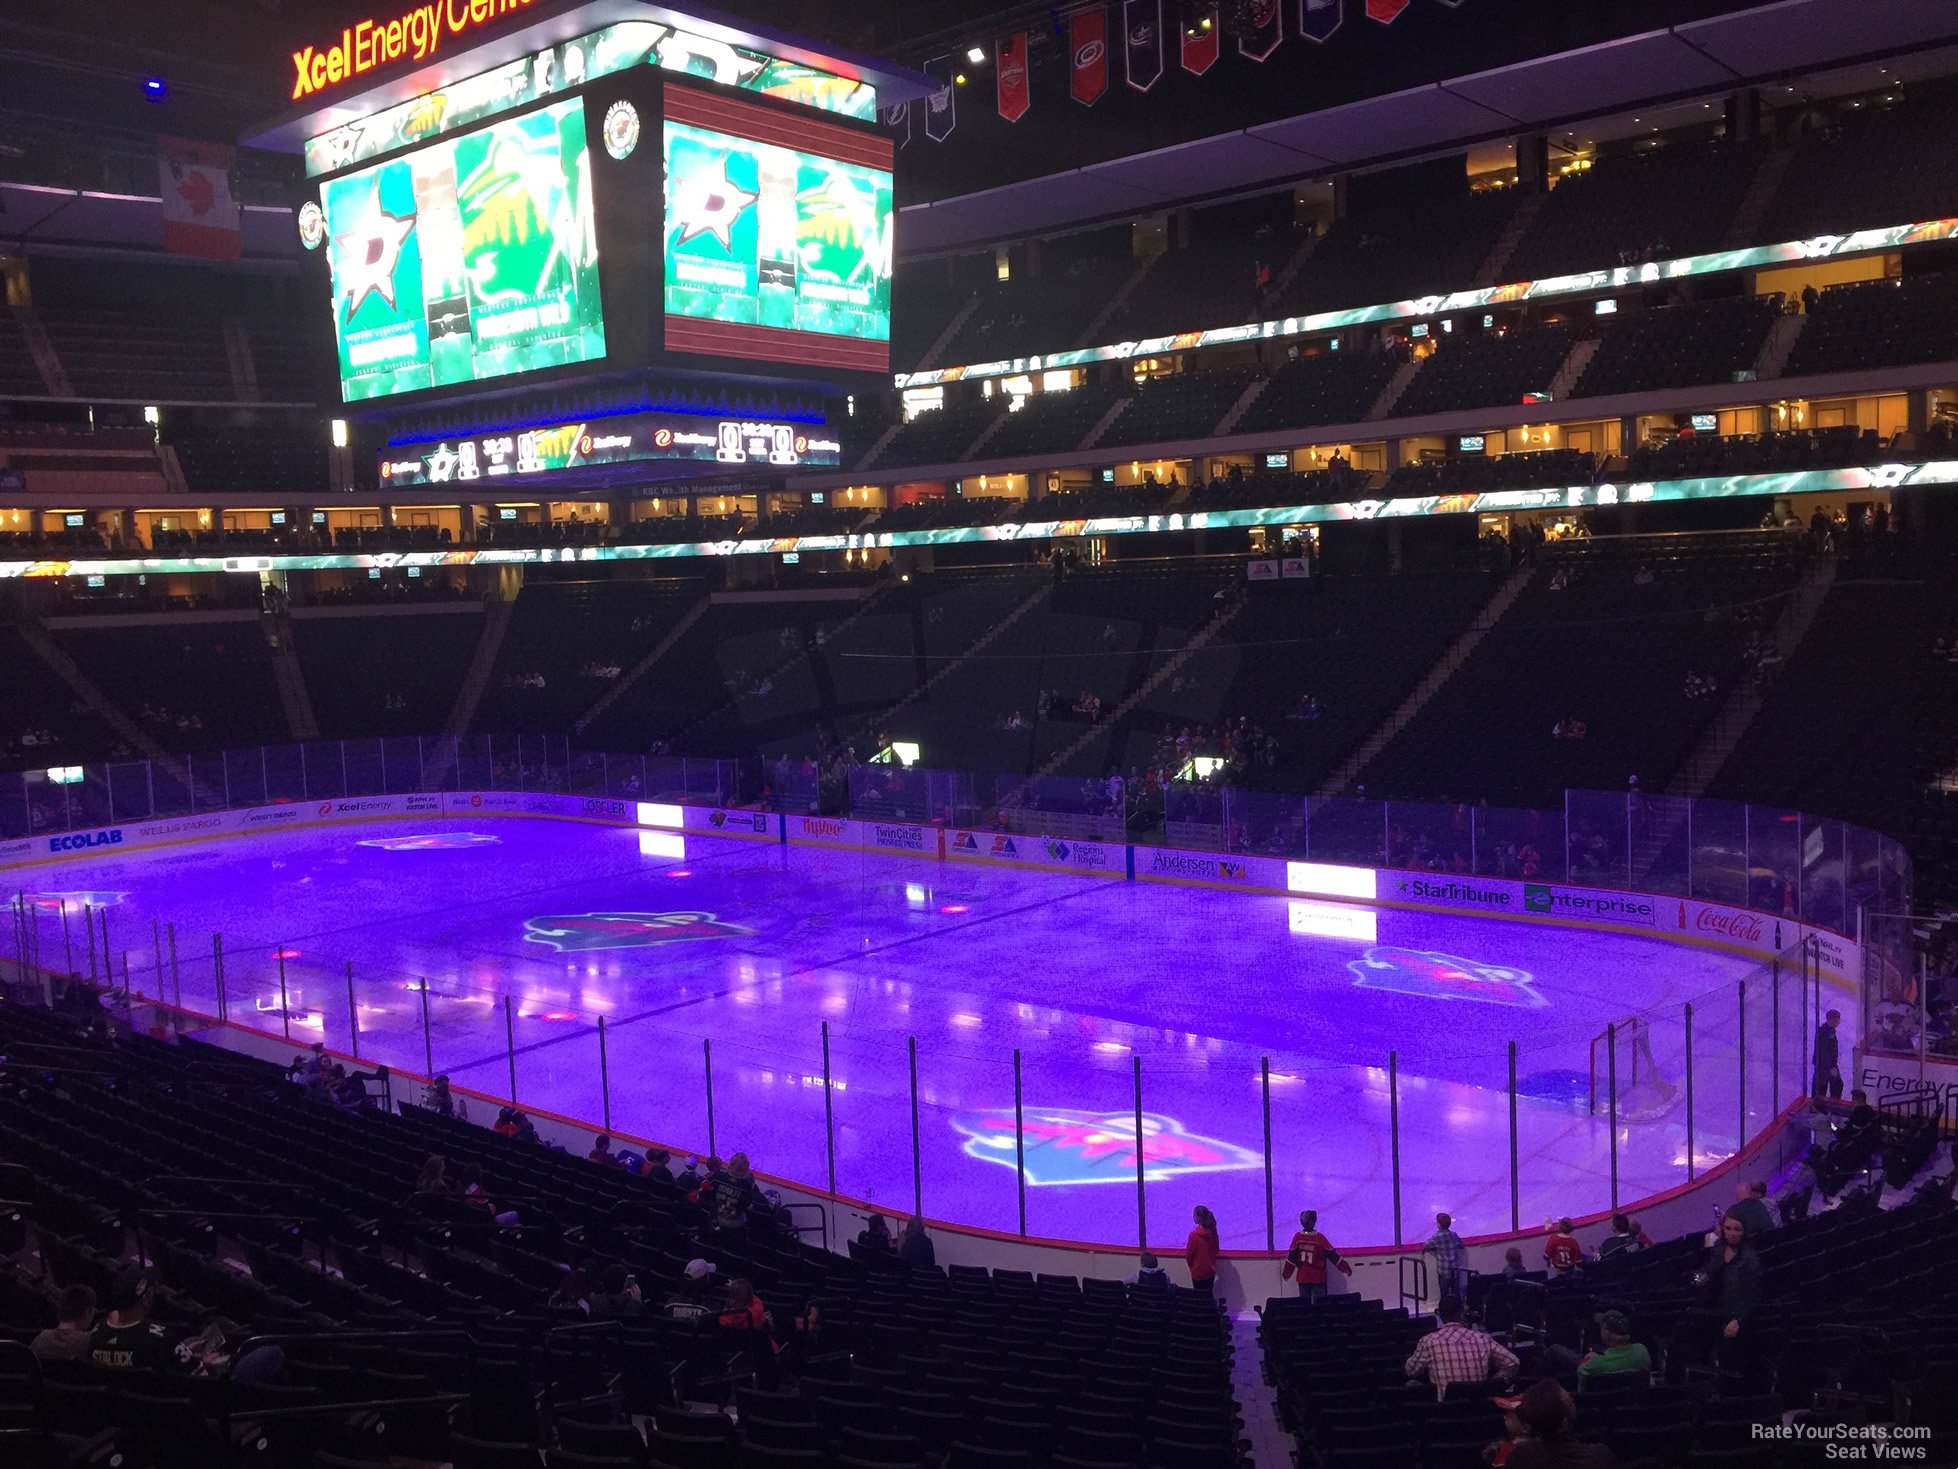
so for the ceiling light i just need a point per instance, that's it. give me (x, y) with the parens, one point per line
(976, 55)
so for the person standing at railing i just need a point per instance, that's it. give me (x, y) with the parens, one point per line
(1200, 1251)
(1827, 1081)
(1308, 1255)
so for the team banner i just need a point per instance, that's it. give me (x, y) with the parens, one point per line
(1014, 94)
(1264, 29)
(1202, 40)
(1318, 19)
(941, 102)
(1385, 11)
(200, 215)
(1142, 36)
(898, 120)
(1087, 51)
(616, 48)
(623, 439)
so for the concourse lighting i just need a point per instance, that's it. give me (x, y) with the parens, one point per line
(976, 55)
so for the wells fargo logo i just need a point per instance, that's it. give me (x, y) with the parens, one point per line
(415, 35)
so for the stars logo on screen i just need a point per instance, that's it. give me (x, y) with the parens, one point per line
(1435, 976)
(708, 207)
(368, 252)
(1068, 1146)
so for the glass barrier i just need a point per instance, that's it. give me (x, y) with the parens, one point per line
(1579, 1117)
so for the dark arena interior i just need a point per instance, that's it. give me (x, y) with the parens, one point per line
(1208, 734)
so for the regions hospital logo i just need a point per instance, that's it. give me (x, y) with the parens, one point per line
(581, 932)
(1435, 976)
(1065, 1146)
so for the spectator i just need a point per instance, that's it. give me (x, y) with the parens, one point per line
(1827, 1081)
(1548, 1416)
(1308, 1255)
(472, 1193)
(1729, 1283)
(1562, 1254)
(434, 1177)
(68, 1340)
(914, 1246)
(1457, 1352)
(128, 1340)
(689, 1299)
(617, 1297)
(601, 1153)
(1200, 1251)
(1512, 1263)
(876, 1235)
(1149, 1275)
(1624, 1238)
(1619, 1353)
(440, 1100)
(1450, 1258)
(1751, 1208)
(743, 1310)
(1861, 1113)
(731, 1193)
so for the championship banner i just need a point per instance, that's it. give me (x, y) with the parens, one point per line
(941, 104)
(1202, 40)
(1014, 94)
(898, 120)
(1264, 30)
(1385, 11)
(1318, 19)
(1087, 51)
(1142, 33)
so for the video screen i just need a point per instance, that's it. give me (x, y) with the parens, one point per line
(473, 257)
(778, 236)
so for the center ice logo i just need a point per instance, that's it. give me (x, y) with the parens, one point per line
(1435, 976)
(580, 932)
(1065, 1146)
(433, 841)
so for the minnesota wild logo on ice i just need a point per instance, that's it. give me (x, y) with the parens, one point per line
(1443, 977)
(1065, 1146)
(580, 932)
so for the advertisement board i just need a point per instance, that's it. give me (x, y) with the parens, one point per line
(822, 831)
(720, 821)
(777, 233)
(471, 257)
(626, 438)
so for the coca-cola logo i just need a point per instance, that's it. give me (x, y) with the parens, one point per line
(1742, 928)
(1087, 55)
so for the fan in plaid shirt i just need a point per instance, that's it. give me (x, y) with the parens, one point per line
(1458, 1352)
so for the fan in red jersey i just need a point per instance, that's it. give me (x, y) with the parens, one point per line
(1308, 1255)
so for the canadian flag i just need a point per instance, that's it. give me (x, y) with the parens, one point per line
(200, 213)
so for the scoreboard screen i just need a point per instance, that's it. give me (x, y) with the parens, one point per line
(469, 258)
(778, 235)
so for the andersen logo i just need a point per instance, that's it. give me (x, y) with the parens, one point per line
(1176, 864)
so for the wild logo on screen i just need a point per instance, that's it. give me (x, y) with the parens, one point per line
(584, 932)
(1064, 1145)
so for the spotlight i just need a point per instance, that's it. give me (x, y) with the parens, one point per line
(155, 88)
(977, 55)
(959, 79)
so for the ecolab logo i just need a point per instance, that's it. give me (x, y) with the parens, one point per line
(821, 827)
(1742, 928)
(82, 841)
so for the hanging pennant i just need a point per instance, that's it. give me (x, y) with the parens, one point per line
(1385, 11)
(1011, 54)
(1318, 19)
(1142, 36)
(898, 119)
(1263, 30)
(941, 102)
(1087, 49)
(1202, 40)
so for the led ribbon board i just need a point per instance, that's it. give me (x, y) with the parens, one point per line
(624, 439)
(1821, 247)
(616, 48)
(1801, 482)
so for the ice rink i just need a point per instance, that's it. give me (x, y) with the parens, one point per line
(754, 946)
